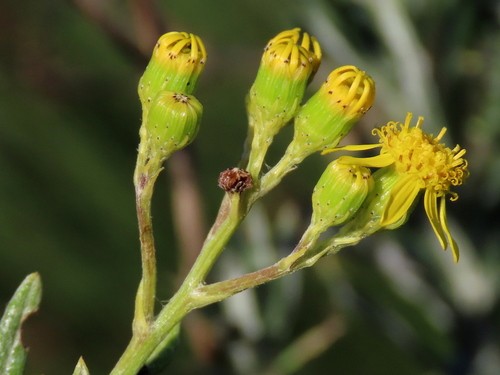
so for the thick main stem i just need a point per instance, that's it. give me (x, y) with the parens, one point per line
(142, 345)
(231, 213)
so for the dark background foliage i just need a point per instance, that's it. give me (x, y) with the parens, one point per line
(69, 118)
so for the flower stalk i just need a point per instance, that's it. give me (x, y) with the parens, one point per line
(145, 176)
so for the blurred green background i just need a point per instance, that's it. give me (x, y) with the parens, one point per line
(69, 118)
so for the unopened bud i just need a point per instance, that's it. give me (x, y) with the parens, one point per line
(289, 62)
(339, 193)
(176, 64)
(172, 123)
(329, 115)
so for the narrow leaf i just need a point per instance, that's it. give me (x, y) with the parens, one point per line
(81, 368)
(24, 303)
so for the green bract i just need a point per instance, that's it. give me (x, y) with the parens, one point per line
(339, 193)
(172, 123)
(369, 216)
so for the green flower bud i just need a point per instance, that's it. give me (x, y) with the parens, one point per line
(176, 64)
(172, 123)
(289, 62)
(328, 115)
(339, 193)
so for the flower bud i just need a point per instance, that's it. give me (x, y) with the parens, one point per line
(176, 64)
(289, 62)
(172, 123)
(339, 193)
(328, 115)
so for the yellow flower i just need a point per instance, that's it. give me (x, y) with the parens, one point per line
(421, 163)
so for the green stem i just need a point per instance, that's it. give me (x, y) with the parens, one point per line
(142, 346)
(185, 300)
(285, 165)
(212, 293)
(193, 294)
(306, 253)
(230, 215)
(260, 145)
(145, 176)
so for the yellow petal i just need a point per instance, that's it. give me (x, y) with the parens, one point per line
(351, 148)
(430, 205)
(378, 161)
(402, 197)
(444, 224)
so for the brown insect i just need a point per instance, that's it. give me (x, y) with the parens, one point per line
(235, 180)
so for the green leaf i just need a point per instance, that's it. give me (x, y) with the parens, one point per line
(24, 303)
(81, 368)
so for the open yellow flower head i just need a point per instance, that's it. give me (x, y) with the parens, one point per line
(176, 64)
(288, 63)
(417, 162)
(339, 193)
(330, 113)
(173, 122)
